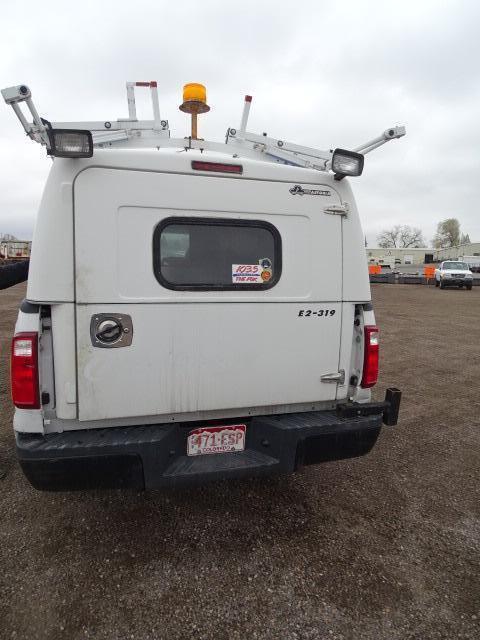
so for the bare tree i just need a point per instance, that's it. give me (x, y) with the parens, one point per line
(401, 236)
(389, 237)
(448, 234)
(411, 237)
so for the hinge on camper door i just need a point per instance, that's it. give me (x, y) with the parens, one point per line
(334, 377)
(337, 209)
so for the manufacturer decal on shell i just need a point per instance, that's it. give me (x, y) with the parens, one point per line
(300, 191)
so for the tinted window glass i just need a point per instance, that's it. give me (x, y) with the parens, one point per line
(208, 253)
(461, 266)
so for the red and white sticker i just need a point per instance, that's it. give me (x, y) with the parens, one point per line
(247, 273)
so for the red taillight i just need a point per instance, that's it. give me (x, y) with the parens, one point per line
(370, 359)
(24, 371)
(219, 167)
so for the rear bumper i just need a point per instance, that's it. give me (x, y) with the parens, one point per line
(154, 456)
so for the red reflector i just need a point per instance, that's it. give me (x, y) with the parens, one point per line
(24, 371)
(370, 359)
(218, 167)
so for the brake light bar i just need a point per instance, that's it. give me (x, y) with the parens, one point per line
(24, 371)
(371, 357)
(218, 167)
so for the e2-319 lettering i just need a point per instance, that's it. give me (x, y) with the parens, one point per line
(321, 313)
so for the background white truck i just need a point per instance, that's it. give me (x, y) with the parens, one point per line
(241, 340)
(453, 273)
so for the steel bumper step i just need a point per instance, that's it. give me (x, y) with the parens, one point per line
(153, 456)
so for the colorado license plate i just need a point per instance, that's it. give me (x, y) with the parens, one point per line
(224, 439)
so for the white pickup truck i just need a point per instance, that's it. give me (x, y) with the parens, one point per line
(208, 314)
(453, 273)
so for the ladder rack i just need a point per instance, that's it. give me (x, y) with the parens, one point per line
(133, 133)
(298, 155)
(107, 131)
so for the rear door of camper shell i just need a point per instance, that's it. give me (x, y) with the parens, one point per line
(165, 254)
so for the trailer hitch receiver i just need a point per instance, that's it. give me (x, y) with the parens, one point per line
(388, 409)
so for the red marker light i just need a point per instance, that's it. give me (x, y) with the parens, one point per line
(217, 167)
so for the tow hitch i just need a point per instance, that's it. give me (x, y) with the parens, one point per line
(389, 408)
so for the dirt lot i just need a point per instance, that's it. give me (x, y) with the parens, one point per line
(383, 547)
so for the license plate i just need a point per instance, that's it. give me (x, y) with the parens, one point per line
(223, 439)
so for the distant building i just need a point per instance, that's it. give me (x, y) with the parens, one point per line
(423, 255)
(469, 249)
(382, 255)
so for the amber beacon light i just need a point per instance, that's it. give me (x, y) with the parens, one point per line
(194, 102)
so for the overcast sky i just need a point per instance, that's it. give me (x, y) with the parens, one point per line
(323, 74)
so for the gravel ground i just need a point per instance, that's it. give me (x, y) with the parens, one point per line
(382, 547)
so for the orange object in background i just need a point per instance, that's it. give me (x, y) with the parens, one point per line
(429, 272)
(374, 269)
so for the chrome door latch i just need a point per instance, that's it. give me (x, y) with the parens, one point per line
(111, 330)
(338, 377)
(337, 209)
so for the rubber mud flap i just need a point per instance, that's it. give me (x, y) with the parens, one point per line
(98, 472)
